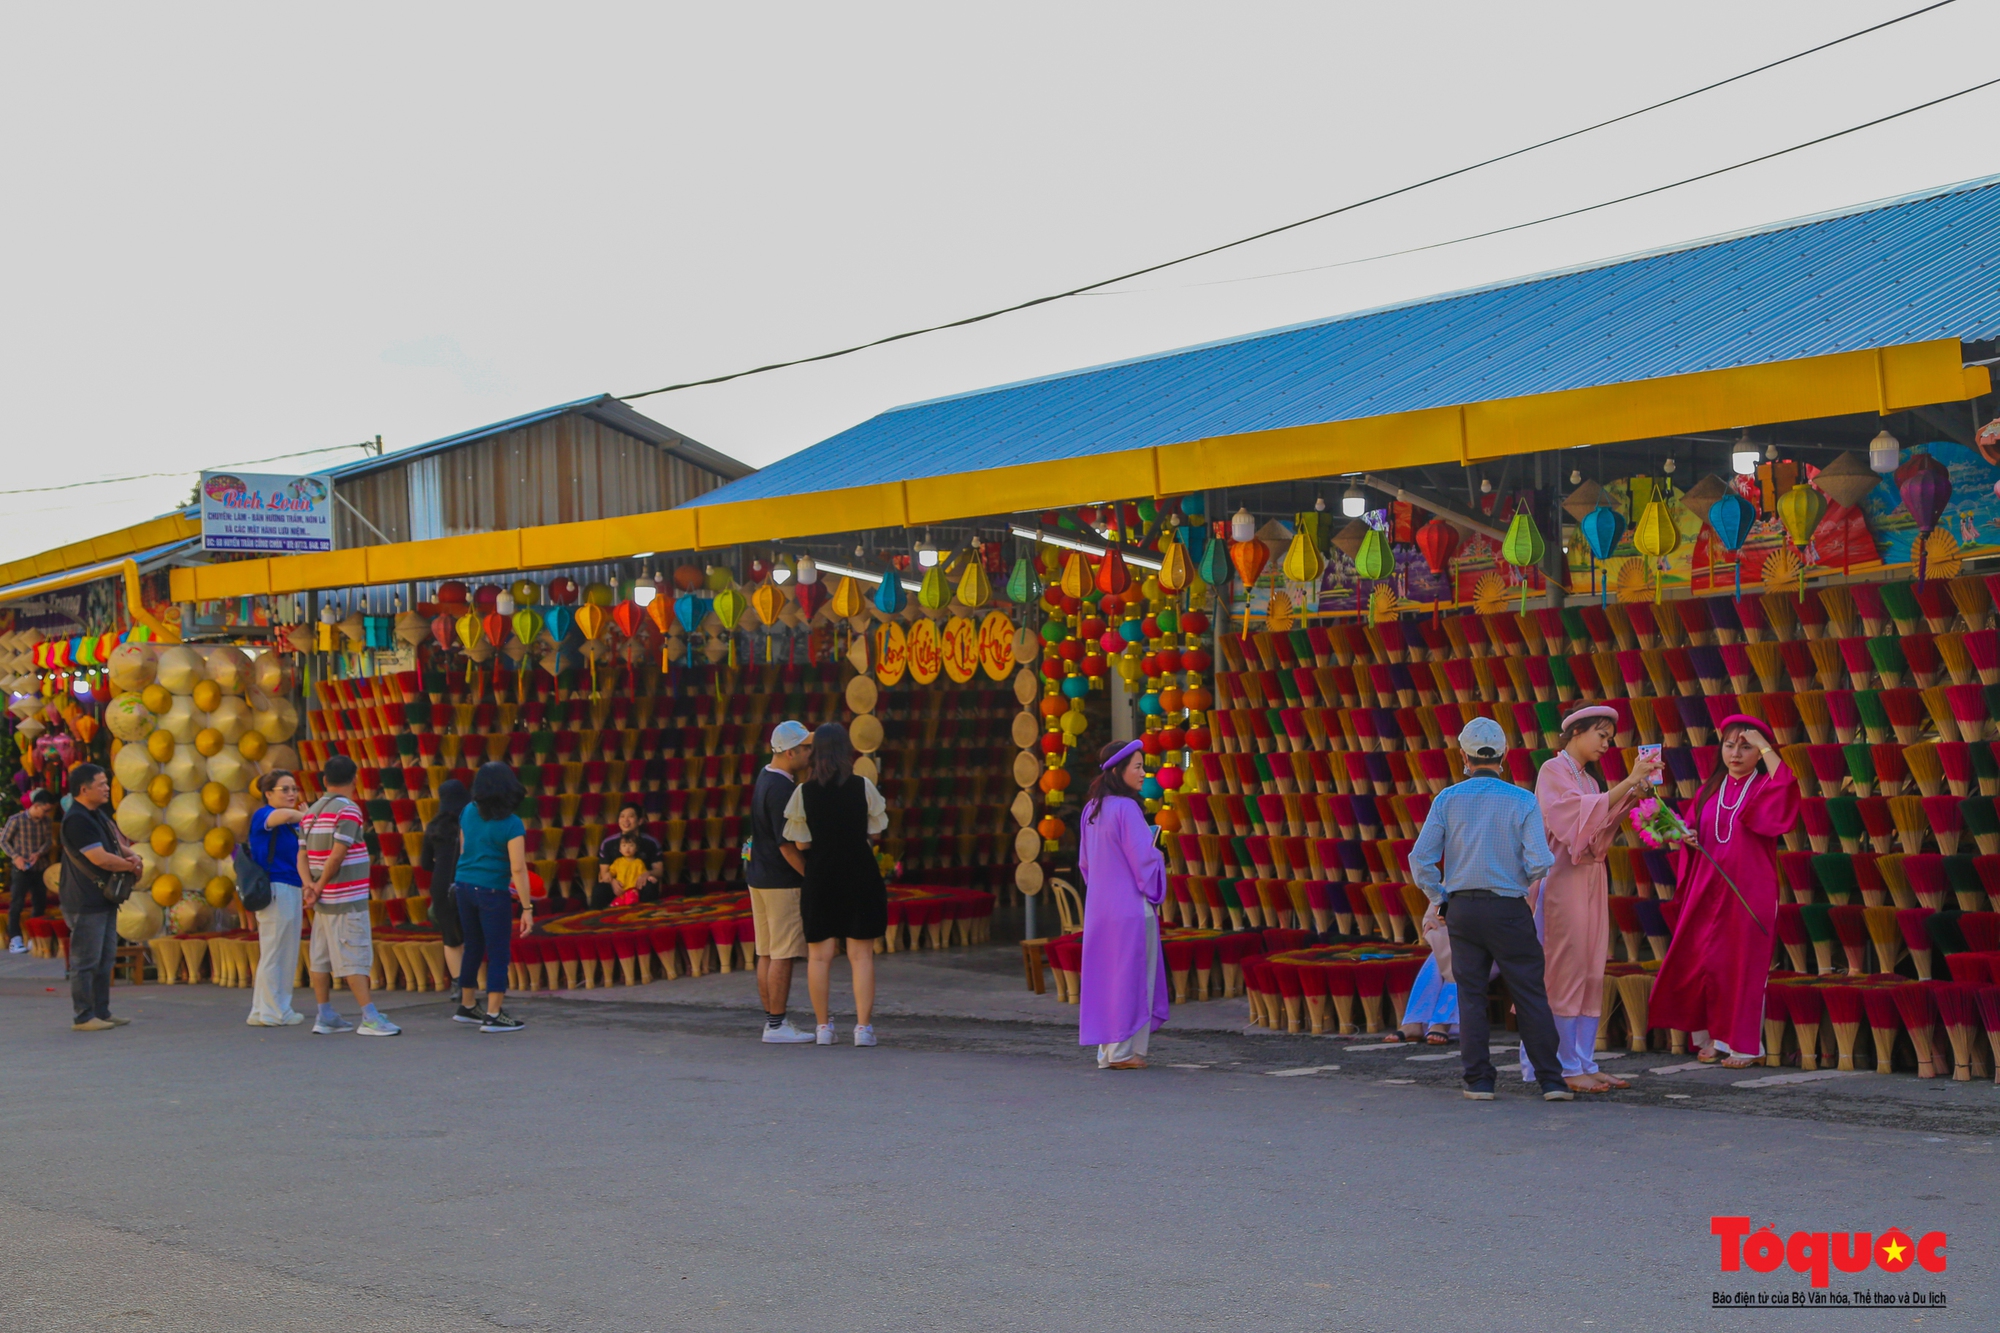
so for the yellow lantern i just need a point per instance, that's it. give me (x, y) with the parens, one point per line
(846, 601)
(1656, 535)
(1076, 579)
(1303, 562)
(974, 588)
(1800, 509)
(1174, 568)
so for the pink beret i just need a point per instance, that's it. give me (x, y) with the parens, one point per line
(1584, 714)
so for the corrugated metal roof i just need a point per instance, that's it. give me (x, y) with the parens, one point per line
(601, 407)
(1908, 270)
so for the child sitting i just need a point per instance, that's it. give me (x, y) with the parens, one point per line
(627, 872)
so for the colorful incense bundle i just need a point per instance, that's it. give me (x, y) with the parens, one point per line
(1937, 704)
(1890, 868)
(1886, 934)
(1795, 877)
(1766, 661)
(1859, 761)
(1829, 767)
(1856, 661)
(1878, 1002)
(1914, 923)
(1680, 666)
(1878, 818)
(1800, 664)
(1946, 821)
(1970, 596)
(1750, 618)
(1935, 601)
(1914, 1006)
(1696, 628)
(1956, 660)
(1890, 769)
(1928, 764)
(1974, 900)
(1920, 653)
(1868, 607)
(1811, 706)
(1980, 820)
(1836, 609)
(1850, 927)
(1653, 923)
(1845, 814)
(1711, 670)
(1792, 934)
(1834, 874)
(1983, 647)
(1843, 711)
(1780, 615)
(1695, 719)
(1681, 770)
(1777, 1013)
(1625, 917)
(1967, 705)
(1634, 991)
(1907, 812)
(1868, 878)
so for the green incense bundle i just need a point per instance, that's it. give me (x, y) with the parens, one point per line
(1960, 872)
(1563, 678)
(1982, 822)
(1819, 927)
(1874, 718)
(1900, 601)
(1548, 718)
(1835, 873)
(1574, 625)
(1890, 665)
(1844, 813)
(1860, 768)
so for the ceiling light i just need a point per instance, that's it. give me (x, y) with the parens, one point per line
(862, 574)
(1354, 503)
(1069, 544)
(1885, 453)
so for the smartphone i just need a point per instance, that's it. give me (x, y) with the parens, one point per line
(1652, 752)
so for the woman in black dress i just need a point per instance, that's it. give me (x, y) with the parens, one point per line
(831, 819)
(440, 859)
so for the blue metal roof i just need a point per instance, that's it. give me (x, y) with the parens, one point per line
(1879, 275)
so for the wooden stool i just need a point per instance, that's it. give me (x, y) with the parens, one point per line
(1033, 960)
(131, 963)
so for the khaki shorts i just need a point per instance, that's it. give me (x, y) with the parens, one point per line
(342, 944)
(780, 932)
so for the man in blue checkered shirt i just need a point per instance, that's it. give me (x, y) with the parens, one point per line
(1481, 850)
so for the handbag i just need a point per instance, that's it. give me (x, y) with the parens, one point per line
(115, 885)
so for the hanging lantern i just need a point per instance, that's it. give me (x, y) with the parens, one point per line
(1214, 564)
(1438, 541)
(846, 602)
(767, 602)
(1800, 510)
(1373, 560)
(1523, 548)
(527, 625)
(441, 631)
(1303, 562)
(1195, 538)
(1113, 578)
(557, 621)
(495, 626)
(1021, 583)
(689, 610)
(562, 591)
(628, 616)
(468, 631)
(889, 598)
(932, 594)
(1926, 489)
(1175, 568)
(975, 589)
(1076, 580)
(660, 611)
(1249, 556)
(1731, 517)
(1656, 535)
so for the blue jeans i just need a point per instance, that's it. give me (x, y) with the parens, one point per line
(487, 916)
(93, 952)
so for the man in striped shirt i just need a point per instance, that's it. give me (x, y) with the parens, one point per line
(333, 867)
(27, 840)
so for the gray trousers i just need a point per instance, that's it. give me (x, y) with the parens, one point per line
(93, 952)
(1486, 931)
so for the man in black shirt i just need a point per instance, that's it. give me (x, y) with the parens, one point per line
(630, 816)
(93, 851)
(775, 873)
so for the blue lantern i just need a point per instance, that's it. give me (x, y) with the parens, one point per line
(557, 621)
(1732, 517)
(1602, 527)
(889, 595)
(1130, 631)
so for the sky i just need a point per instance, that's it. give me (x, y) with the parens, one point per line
(234, 232)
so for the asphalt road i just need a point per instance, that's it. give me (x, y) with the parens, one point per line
(651, 1167)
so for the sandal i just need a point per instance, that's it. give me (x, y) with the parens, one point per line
(1136, 1062)
(1707, 1055)
(1739, 1062)
(1612, 1081)
(1583, 1083)
(1436, 1039)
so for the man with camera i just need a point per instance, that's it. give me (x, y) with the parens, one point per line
(97, 868)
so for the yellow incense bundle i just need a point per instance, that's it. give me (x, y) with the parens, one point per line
(1895, 886)
(1768, 661)
(1938, 705)
(1826, 662)
(1957, 661)
(1842, 620)
(1796, 759)
(1926, 769)
(1295, 810)
(1633, 992)
(1517, 672)
(1811, 708)
(1621, 627)
(1610, 681)
(1969, 594)
(1658, 671)
(1531, 635)
(1908, 814)
(1780, 615)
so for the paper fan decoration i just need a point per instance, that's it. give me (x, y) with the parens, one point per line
(1942, 556)
(1489, 594)
(1382, 605)
(1630, 583)
(1279, 615)
(1781, 568)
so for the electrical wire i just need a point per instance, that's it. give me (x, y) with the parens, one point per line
(186, 471)
(1290, 226)
(1591, 208)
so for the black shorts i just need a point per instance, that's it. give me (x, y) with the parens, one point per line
(444, 915)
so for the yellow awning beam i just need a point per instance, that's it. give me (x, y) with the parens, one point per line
(1881, 380)
(95, 551)
(127, 569)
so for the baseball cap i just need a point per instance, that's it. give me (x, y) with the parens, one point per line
(1482, 739)
(789, 735)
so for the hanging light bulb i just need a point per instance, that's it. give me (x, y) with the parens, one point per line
(1576, 476)
(1885, 453)
(1354, 503)
(1485, 486)
(1319, 504)
(927, 554)
(1743, 459)
(1771, 452)
(1242, 526)
(1669, 466)
(781, 570)
(807, 571)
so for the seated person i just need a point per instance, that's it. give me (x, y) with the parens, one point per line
(625, 874)
(630, 816)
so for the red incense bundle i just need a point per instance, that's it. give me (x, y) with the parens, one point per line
(1906, 713)
(1793, 935)
(1843, 715)
(1988, 1000)
(1736, 663)
(1956, 1014)
(1968, 710)
(1850, 926)
(1644, 631)
(1625, 916)
(1799, 665)
(1829, 766)
(1982, 929)
(1867, 600)
(1920, 655)
(1697, 626)
(1890, 770)
(1945, 820)
(1878, 1002)
(1858, 662)
(1802, 1007)
(1877, 816)
(1915, 1008)
(1598, 625)
(1819, 826)
(1751, 618)
(1983, 647)
(1935, 602)
(1845, 1013)
(1925, 875)
(1914, 922)
(1868, 878)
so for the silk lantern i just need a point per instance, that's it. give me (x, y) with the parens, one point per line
(1800, 510)
(889, 594)
(1113, 577)
(1373, 560)
(1522, 547)
(975, 589)
(1303, 562)
(1732, 517)
(1926, 490)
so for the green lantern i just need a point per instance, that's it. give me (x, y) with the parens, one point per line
(1021, 583)
(932, 593)
(1523, 545)
(1373, 559)
(1215, 567)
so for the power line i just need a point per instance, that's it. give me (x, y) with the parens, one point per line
(1591, 208)
(1290, 226)
(150, 476)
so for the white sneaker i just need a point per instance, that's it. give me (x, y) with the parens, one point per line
(864, 1035)
(823, 1034)
(294, 1018)
(785, 1034)
(371, 1026)
(18, 945)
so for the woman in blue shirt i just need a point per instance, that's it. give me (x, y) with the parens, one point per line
(274, 845)
(492, 853)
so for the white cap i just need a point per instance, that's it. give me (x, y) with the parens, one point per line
(789, 735)
(1482, 739)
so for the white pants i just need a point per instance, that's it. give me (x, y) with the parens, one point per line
(278, 954)
(1576, 1048)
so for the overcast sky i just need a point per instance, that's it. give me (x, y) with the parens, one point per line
(234, 232)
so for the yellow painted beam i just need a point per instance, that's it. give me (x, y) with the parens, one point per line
(109, 546)
(1885, 379)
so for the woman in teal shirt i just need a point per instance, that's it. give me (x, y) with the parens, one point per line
(492, 853)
